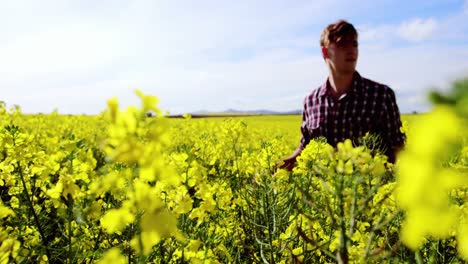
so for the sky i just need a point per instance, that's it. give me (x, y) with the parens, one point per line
(73, 56)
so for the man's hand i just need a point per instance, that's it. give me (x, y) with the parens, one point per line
(290, 162)
(286, 164)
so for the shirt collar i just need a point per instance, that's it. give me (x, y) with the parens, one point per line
(354, 85)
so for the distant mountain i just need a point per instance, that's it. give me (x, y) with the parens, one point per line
(235, 112)
(250, 112)
(247, 112)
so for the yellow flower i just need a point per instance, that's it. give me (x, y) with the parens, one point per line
(155, 226)
(112, 256)
(113, 105)
(44, 259)
(115, 220)
(348, 167)
(8, 247)
(183, 201)
(5, 211)
(340, 166)
(148, 102)
(56, 191)
(297, 251)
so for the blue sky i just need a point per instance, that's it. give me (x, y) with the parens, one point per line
(216, 55)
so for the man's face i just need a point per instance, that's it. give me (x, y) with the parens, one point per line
(342, 56)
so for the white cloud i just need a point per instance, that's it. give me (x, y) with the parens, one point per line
(412, 30)
(417, 29)
(61, 50)
(376, 36)
(412, 71)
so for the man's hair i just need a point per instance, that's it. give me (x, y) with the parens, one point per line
(334, 32)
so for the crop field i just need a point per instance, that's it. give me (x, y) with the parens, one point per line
(287, 125)
(122, 187)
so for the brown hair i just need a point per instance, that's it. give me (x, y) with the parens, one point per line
(333, 33)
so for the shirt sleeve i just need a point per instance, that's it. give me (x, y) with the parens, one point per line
(391, 122)
(305, 135)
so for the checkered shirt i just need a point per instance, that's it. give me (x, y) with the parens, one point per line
(367, 106)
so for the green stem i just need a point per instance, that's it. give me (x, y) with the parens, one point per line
(36, 218)
(418, 257)
(268, 223)
(342, 254)
(141, 257)
(70, 214)
(96, 244)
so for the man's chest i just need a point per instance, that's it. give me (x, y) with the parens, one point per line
(346, 118)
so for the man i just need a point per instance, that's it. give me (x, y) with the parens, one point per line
(348, 105)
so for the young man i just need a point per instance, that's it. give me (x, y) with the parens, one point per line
(348, 105)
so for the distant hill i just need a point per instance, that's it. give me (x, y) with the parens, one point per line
(262, 112)
(235, 112)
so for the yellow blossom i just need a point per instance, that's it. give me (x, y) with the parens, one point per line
(112, 256)
(115, 220)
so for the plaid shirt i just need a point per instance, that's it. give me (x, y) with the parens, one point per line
(366, 107)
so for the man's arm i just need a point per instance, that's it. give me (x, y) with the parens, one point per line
(290, 162)
(391, 122)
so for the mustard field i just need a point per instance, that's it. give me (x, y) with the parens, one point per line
(122, 187)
